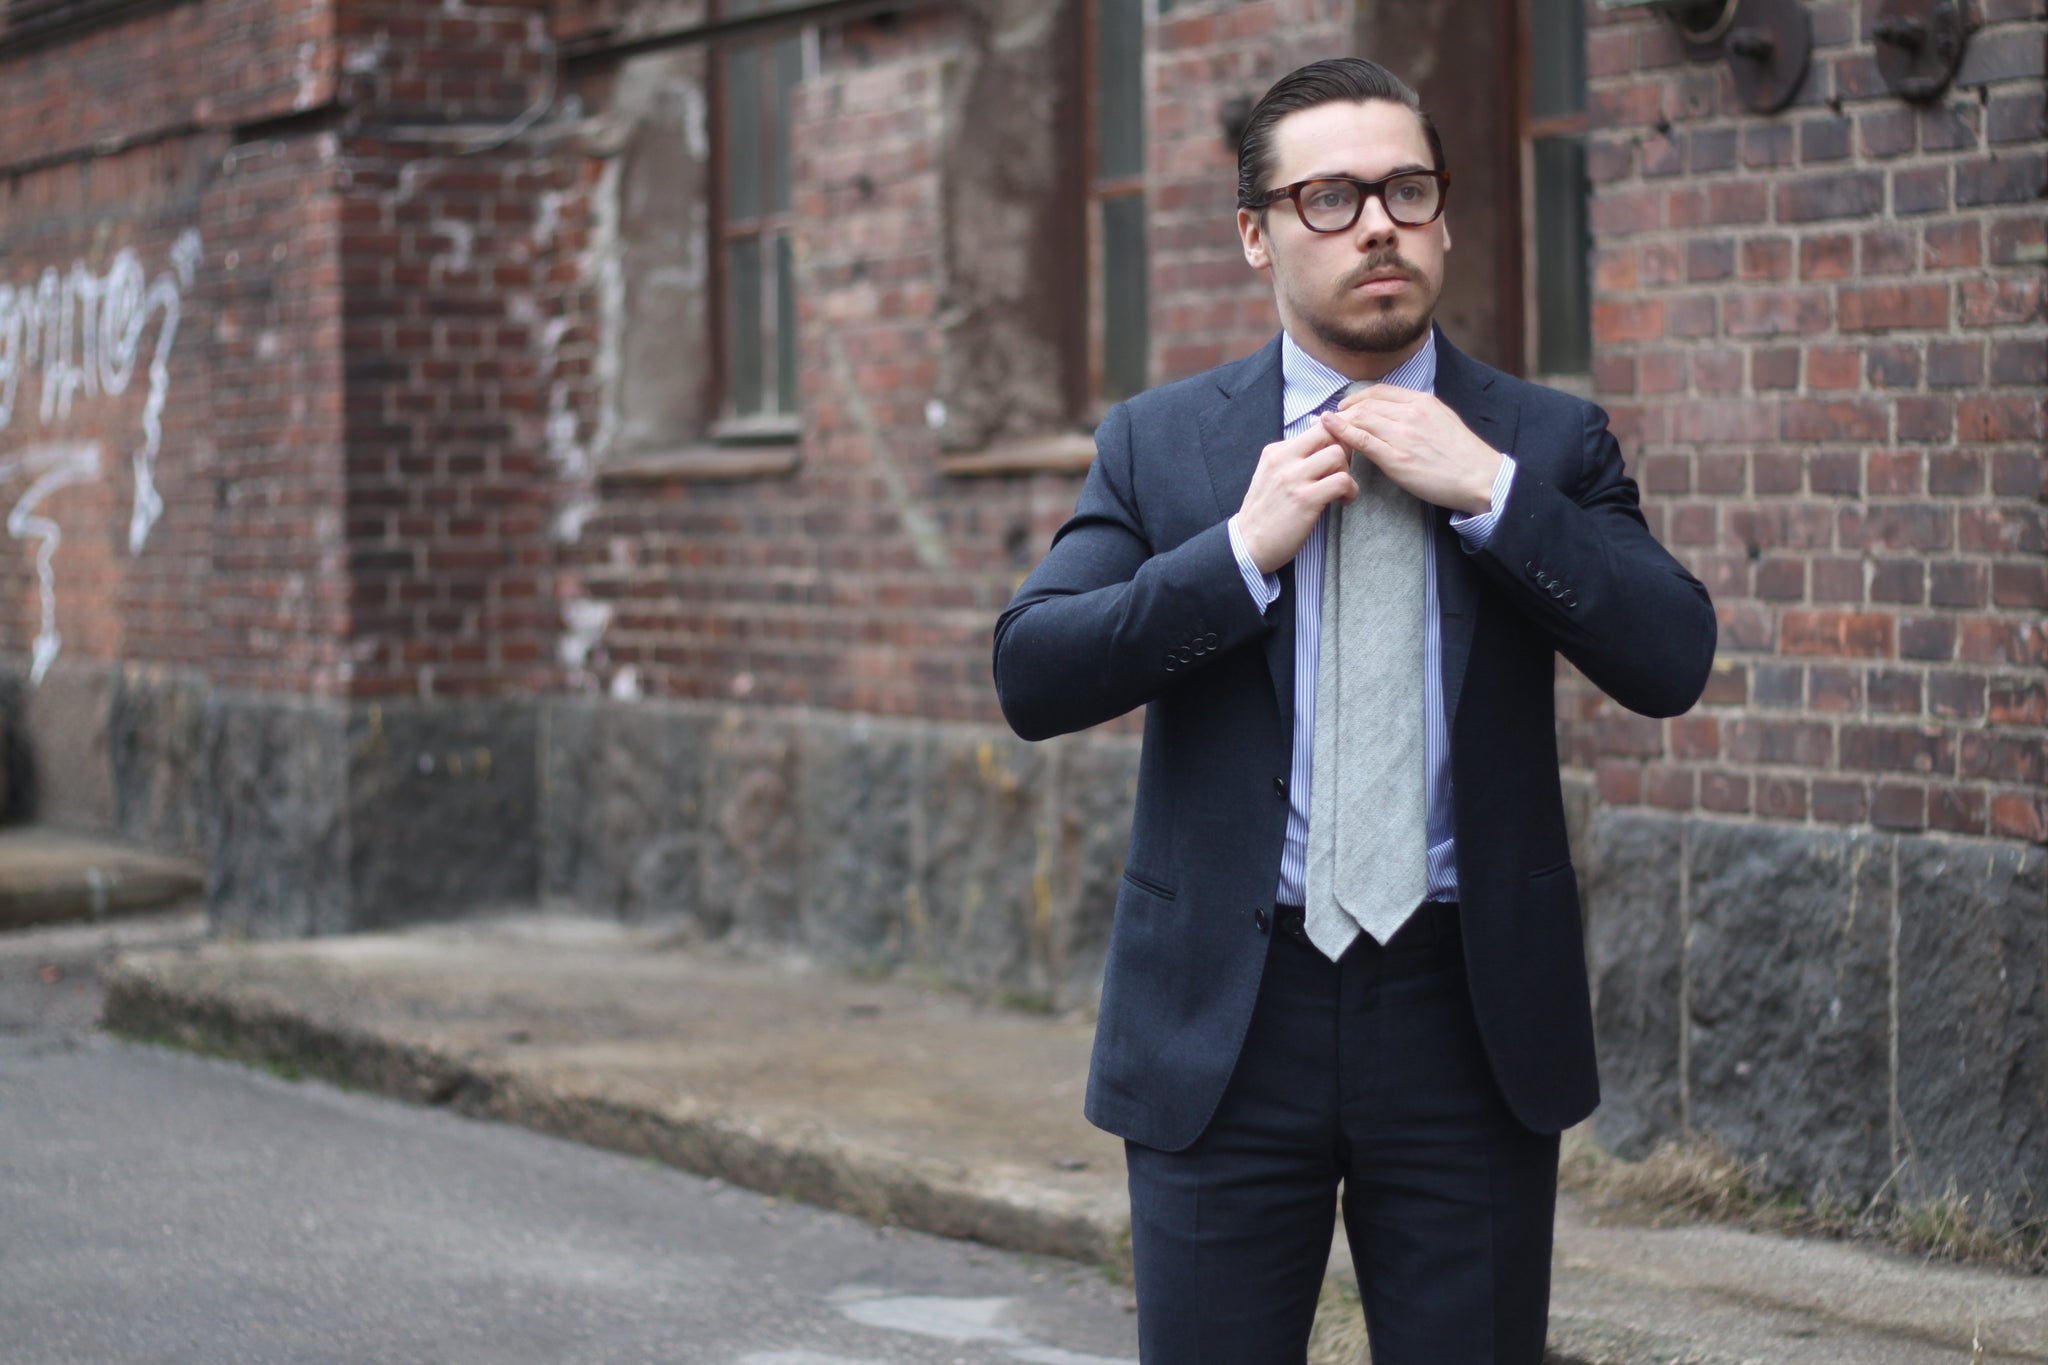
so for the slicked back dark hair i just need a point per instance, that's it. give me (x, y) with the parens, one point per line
(1334, 80)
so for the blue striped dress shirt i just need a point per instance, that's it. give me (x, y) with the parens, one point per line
(1310, 388)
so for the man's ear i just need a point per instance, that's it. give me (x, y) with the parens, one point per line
(1444, 224)
(1251, 233)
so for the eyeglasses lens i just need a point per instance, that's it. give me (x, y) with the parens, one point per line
(1334, 205)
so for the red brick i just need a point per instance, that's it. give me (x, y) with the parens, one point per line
(2021, 586)
(1885, 307)
(1725, 793)
(1833, 367)
(2003, 758)
(1898, 805)
(1889, 473)
(1668, 788)
(1617, 323)
(1781, 798)
(2019, 815)
(1841, 803)
(1956, 810)
(1858, 635)
(1774, 367)
(1830, 257)
(1776, 313)
(2018, 701)
(1952, 246)
(1766, 258)
(1927, 637)
(2001, 303)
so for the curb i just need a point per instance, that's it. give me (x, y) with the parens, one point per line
(804, 1165)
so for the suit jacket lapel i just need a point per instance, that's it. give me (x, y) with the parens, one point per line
(1466, 388)
(1244, 420)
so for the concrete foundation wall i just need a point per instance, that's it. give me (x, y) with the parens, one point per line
(329, 816)
(950, 849)
(1868, 1012)
(107, 748)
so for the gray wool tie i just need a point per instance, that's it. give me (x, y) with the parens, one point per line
(1368, 856)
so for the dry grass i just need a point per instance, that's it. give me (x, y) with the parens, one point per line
(1696, 1179)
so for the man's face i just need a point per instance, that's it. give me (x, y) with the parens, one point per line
(1362, 298)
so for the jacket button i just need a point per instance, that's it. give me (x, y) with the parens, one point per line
(1556, 588)
(1209, 640)
(1534, 572)
(1570, 598)
(1280, 786)
(1259, 919)
(1171, 663)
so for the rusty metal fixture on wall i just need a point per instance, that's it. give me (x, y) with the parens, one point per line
(1919, 46)
(1767, 43)
(1768, 48)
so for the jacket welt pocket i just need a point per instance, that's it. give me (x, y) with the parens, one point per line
(1157, 890)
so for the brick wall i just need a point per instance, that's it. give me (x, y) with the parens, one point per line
(1207, 305)
(1821, 335)
(867, 579)
(446, 298)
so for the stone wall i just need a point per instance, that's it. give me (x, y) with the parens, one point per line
(948, 849)
(1865, 1011)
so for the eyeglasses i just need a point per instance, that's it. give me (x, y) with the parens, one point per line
(1411, 199)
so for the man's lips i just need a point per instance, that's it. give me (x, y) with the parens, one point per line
(1381, 281)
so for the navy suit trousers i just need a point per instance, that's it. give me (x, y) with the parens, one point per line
(1365, 1074)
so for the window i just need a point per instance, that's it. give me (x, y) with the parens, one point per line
(756, 297)
(1119, 331)
(1555, 237)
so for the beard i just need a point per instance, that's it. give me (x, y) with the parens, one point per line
(1390, 324)
(1389, 329)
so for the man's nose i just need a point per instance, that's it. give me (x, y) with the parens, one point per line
(1374, 228)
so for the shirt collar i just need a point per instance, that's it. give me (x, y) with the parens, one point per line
(1307, 383)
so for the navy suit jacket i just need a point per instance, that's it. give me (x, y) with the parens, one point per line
(1140, 602)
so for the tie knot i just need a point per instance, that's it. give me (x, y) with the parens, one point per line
(1355, 386)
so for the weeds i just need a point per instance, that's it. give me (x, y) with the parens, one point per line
(1695, 1178)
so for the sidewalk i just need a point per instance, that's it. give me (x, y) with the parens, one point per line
(918, 1107)
(50, 876)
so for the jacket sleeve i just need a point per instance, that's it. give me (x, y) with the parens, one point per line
(1584, 569)
(1113, 616)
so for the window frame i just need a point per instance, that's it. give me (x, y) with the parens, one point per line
(1525, 326)
(1100, 190)
(728, 426)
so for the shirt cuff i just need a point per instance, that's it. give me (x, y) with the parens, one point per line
(1477, 528)
(1264, 587)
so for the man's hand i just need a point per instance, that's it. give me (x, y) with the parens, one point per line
(1420, 444)
(1296, 479)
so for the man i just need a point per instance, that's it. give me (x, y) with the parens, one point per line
(1346, 948)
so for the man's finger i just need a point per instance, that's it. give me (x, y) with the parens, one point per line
(1384, 393)
(1312, 439)
(1350, 428)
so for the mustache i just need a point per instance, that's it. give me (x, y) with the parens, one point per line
(1378, 263)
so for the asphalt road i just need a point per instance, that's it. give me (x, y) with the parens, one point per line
(163, 1208)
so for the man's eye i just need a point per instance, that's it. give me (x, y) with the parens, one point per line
(1409, 192)
(1329, 198)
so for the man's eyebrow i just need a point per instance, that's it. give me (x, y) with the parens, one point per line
(1404, 169)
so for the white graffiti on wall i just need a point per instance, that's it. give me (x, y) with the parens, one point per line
(81, 334)
(55, 465)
